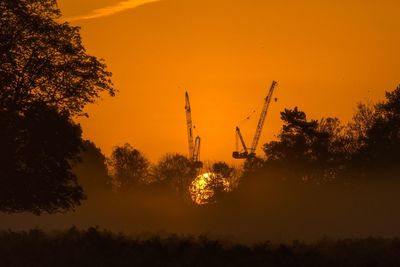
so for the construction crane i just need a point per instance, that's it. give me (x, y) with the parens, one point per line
(194, 146)
(245, 152)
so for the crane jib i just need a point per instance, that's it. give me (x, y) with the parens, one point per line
(245, 152)
(263, 115)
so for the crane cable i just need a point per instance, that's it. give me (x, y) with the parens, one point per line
(247, 118)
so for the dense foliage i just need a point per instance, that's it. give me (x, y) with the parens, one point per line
(46, 77)
(37, 153)
(92, 170)
(42, 60)
(100, 248)
(129, 167)
(325, 150)
(176, 172)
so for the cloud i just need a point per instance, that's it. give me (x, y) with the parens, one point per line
(111, 10)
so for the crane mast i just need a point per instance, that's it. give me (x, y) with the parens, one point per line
(194, 146)
(196, 150)
(262, 118)
(189, 125)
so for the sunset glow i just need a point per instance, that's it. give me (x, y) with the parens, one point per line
(325, 54)
(202, 189)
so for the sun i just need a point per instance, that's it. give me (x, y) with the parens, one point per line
(203, 188)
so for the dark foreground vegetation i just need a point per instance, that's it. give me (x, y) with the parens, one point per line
(100, 248)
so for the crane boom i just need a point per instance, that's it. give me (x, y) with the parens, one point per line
(189, 125)
(262, 118)
(239, 135)
(243, 153)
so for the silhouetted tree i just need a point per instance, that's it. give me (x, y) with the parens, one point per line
(380, 142)
(46, 77)
(252, 165)
(92, 171)
(130, 168)
(223, 169)
(357, 128)
(325, 150)
(42, 60)
(176, 171)
(37, 150)
(307, 149)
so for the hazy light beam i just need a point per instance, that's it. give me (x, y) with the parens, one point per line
(111, 10)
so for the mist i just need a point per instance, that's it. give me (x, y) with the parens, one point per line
(264, 208)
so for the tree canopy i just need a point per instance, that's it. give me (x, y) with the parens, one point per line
(92, 171)
(130, 168)
(380, 143)
(309, 149)
(325, 150)
(43, 60)
(223, 169)
(37, 153)
(176, 171)
(46, 77)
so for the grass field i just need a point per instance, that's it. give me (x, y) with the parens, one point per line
(94, 247)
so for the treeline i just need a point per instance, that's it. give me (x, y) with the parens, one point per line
(127, 170)
(94, 247)
(328, 151)
(306, 151)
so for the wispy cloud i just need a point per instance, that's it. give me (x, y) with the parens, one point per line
(111, 10)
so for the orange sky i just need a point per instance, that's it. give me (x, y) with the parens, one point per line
(326, 55)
